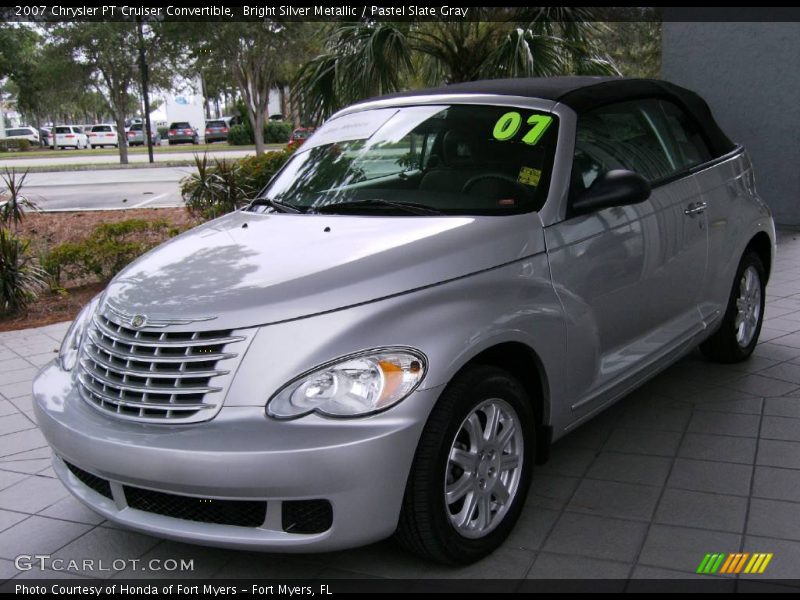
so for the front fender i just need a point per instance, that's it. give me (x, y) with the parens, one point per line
(451, 323)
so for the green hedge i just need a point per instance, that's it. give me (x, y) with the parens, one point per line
(20, 145)
(108, 249)
(240, 135)
(275, 132)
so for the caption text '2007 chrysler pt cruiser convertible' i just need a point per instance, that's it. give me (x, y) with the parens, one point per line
(435, 287)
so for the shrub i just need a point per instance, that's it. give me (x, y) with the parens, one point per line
(240, 135)
(256, 171)
(107, 250)
(162, 132)
(215, 189)
(21, 279)
(277, 132)
(221, 187)
(20, 145)
(13, 203)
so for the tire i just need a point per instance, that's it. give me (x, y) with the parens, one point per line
(733, 342)
(436, 528)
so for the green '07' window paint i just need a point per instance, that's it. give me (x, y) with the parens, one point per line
(508, 126)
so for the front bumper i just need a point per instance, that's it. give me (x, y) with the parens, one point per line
(360, 466)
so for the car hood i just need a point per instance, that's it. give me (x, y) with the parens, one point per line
(248, 269)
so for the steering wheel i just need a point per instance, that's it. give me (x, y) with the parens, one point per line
(502, 176)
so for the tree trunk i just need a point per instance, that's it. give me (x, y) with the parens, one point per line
(122, 138)
(284, 104)
(258, 132)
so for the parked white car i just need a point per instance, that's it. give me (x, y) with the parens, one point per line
(103, 135)
(22, 133)
(71, 136)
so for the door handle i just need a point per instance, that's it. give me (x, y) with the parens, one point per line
(695, 208)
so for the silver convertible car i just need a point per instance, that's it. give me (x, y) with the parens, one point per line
(434, 288)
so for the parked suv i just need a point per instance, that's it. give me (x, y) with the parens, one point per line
(103, 135)
(136, 135)
(182, 133)
(217, 130)
(433, 289)
(23, 133)
(70, 136)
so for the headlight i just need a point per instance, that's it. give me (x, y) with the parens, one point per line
(68, 353)
(352, 386)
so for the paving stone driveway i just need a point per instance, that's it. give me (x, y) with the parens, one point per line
(705, 458)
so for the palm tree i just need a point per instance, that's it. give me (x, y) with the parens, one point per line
(371, 58)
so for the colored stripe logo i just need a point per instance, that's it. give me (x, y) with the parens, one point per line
(733, 563)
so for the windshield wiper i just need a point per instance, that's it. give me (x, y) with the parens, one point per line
(279, 206)
(379, 203)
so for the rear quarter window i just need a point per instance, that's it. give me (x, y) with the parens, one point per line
(689, 143)
(620, 136)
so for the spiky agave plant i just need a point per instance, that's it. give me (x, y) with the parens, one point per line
(21, 278)
(13, 203)
(214, 189)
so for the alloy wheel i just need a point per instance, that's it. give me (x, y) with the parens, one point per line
(484, 468)
(748, 307)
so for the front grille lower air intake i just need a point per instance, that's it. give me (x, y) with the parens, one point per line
(156, 376)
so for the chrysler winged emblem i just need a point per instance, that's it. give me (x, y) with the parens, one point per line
(139, 320)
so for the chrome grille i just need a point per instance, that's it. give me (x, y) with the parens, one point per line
(156, 376)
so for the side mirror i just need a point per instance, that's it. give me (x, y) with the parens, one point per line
(613, 188)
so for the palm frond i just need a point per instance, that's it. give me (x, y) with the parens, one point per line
(364, 59)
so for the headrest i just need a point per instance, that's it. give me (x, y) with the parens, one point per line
(457, 149)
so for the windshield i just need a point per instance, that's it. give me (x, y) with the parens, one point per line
(460, 159)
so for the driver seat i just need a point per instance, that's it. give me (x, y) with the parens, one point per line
(457, 165)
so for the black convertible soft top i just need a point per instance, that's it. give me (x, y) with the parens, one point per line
(585, 93)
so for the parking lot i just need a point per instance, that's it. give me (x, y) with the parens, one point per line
(703, 459)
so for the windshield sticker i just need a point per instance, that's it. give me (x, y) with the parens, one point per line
(355, 126)
(529, 176)
(508, 126)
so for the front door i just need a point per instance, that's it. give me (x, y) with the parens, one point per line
(629, 277)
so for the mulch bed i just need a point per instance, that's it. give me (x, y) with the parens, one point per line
(46, 230)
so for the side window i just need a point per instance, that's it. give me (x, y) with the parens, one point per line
(689, 144)
(620, 136)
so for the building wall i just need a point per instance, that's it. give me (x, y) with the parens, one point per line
(749, 73)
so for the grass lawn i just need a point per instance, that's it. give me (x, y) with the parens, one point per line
(218, 147)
